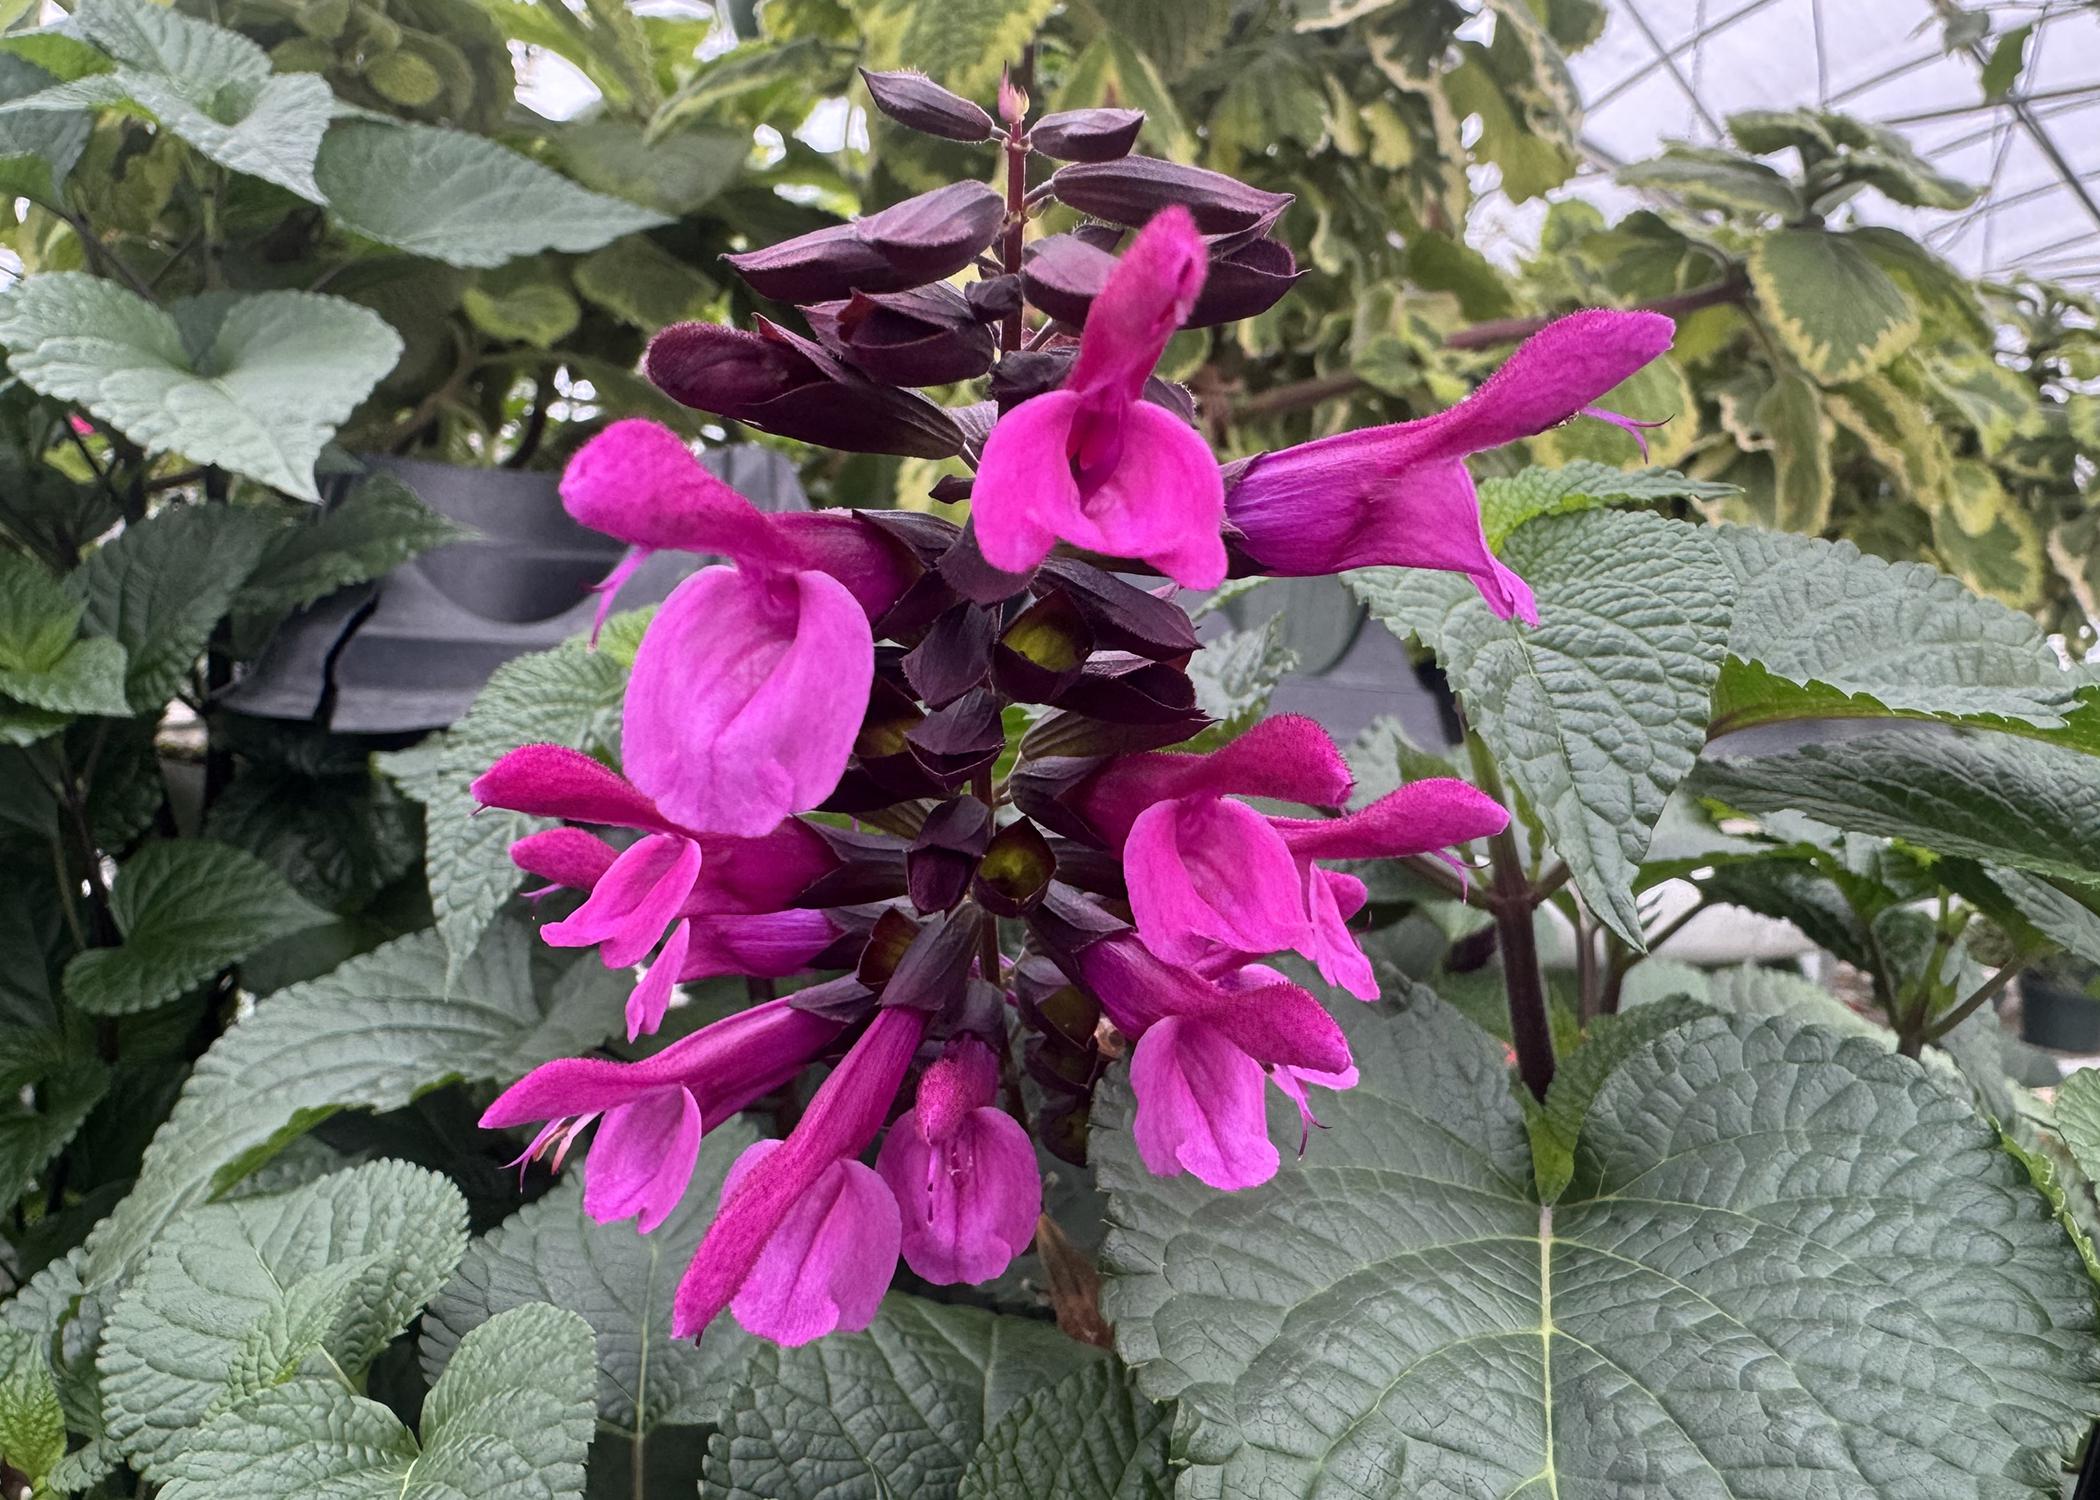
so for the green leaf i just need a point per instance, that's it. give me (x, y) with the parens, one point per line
(1556, 1126)
(568, 696)
(1822, 630)
(525, 301)
(620, 1281)
(187, 908)
(963, 44)
(674, 175)
(256, 383)
(1091, 1436)
(1599, 712)
(1236, 673)
(2002, 70)
(37, 149)
(2069, 916)
(32, 1427)
(48, 1094)
(212, 87)
(511, 1420)
(377, 528)
(1508, 502)
(1791, 415)
(1897, 429)
(2078, 1118)
(159, 587)
(1709, 177)
(374, 1034)
(42, 663)
(235, 1298)
(897, 1410)
(460, 198)
(1988, 539)
(1999, 798)
(636, 281)
(340, 837)
(1834, 308)
(1773, 1239)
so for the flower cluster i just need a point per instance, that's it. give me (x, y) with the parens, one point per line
(814, 730)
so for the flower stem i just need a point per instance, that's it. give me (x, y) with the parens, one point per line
(1511, 898)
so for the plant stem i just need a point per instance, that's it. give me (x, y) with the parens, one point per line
(1511, 899)
(1012, 328)
(1985, 993)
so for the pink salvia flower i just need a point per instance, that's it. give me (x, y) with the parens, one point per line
(751, 682)
(651, 1114)
(963, 1172)
(1211, 879)
(807, 1238)
(1202, 1047)
(1288, 757)
(1401, 496)
(1093, 463)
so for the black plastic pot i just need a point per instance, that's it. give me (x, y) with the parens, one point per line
(409, 651)
(2059, 1015)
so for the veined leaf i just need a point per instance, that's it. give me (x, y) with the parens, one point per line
(1709, 177)
(926, 1380)
(237, 1298)
(1791, 415)
(1823, 630)
(43, 664)
(32, 1426)
(187, 908)
(1091, 1436)
(619, 1280)
(1773, 1239)
(374, 1034)
(511, 1420)
(1834, 309)
(256, 383)
(379, 526)
(460, 198)
(1585, 484)
(1599, 712)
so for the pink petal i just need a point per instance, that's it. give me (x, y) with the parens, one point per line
(1332, 947)
(1024, 485)
(1258, 1011)
(1292, 1082)
(652, 997)
(638, 481)
(969, 1201)
(765, 945)
(842, 1118)
(965, 1077)
(633, 902)
(1204, 871)
(642, 1158)
(1199, 1107)
(725, 1065)
(746, 697)
(554, 781)
(761, 874)
(1288, 757)
(1554, 374)
(1164, 502)
(566, 856)
(826, 1266)
(1147, 298)
(1415, 819)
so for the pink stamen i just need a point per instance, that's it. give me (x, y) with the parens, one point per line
(1633, 427)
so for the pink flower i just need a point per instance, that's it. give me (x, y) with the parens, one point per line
(1203, 1046)
(1211, 879)
(716, 896)
(1287, 756)
(1094, 464)
(751, 682)
(963, 1172)
(652, 1113)
(807, 1237)
(1401, 496)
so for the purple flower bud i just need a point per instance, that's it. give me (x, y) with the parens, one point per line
(1087, 134)
(960, 740)
(1122, 616)
(953, 656)
(944, 856)
(1042, 653)
(934, 973)
(1065, 272)
(925, 336)
(782, 383)
(922, 239)
(915, 100)
(1132, 190)
(1132, 690)
(993, 297)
